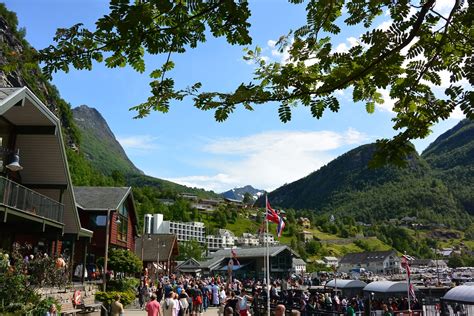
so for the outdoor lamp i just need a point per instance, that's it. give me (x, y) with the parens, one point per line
(118, 221)
(14, 165)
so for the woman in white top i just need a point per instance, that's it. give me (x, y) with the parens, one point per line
(168, 305)
(176, 304)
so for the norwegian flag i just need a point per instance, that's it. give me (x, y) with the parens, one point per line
(406, 264)
(281, 226)
(272, 215)
(234, 256)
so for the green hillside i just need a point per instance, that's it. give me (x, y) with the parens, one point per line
(99, 144)
(346, 186)
(452, 158)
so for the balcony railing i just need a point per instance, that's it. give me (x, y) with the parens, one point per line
(19, 197)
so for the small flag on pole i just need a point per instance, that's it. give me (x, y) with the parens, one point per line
(274, 217)
(406, 264)
(234, 256)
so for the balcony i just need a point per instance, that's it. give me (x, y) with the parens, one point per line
(18, 197)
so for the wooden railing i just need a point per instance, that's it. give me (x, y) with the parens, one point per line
(16, 196)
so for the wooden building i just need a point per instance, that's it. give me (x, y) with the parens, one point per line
(102, 206)
(37, 203)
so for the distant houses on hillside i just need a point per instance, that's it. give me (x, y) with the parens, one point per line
(187, 231)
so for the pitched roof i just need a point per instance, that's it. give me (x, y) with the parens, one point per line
(250, 252)
(364, 257)
(298, 261)
(100, 198)
(166, 244)
(211, 263)
(6, 92)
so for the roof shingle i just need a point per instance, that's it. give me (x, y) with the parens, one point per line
(100, 198)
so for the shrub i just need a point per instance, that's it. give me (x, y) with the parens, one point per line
(43, 306)
(123, 285)
(20, 277)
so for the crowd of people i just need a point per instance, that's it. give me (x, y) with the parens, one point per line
(188, 296)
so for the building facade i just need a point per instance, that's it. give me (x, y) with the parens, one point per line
(184, 231)
(381, 262)
(37, 202)
(223, 239)
(248, 240)
(111, 209)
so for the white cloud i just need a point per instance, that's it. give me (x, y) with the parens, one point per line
(457, 114)
(385, 25)
(138, 142)
(344, 48)
(388, 104)
(443, 7)
(270, 159)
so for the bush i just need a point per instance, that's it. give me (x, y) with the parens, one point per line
(20, 277)
(43, 306)
(123, 285)
(126, 298)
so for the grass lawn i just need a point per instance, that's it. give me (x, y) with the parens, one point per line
(321, 235)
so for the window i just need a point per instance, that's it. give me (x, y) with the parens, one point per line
(98, 220)
(122, 227)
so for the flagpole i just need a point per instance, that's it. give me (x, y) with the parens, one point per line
(407, 268)
(268, 256)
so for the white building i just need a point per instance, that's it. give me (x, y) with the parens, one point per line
(331, 261)
(266, 237)
(375, 261)
(299, 266)
(184, 231)
(224, 239)
(248, 239)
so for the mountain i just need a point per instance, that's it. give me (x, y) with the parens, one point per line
(346, 186)
(451, 156)
(99, 143)
(238, 193)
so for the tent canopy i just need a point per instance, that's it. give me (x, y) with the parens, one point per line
(387, 287)
(346, 284)
(461, 294)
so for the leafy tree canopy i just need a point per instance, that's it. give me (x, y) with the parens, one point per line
(121, 260)
(406, 58)
(190, 249)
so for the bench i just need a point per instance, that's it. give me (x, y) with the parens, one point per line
(69, 309)
(89, 308)
(84, 308)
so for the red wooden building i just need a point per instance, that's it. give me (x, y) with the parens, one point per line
(94, 204)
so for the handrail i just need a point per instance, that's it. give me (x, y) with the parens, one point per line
(17, 196)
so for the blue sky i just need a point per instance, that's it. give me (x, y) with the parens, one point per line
(187, 145)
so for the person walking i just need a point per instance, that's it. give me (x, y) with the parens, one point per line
(153, 307)
(142, 292)
(168, 305)
(116, 308)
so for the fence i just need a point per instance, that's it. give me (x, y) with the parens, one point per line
(16, 196)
